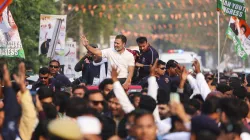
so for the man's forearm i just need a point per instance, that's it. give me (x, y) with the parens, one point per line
(130, 74)
(93, 50)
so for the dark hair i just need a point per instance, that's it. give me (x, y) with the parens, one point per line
(104, 83)
(211, 105)
(44, 92)
(138, 113)
(195, 103)
(144, 90)
(147, 103)
(110, 95)
(142, 39)
(77, 107)
(206, 135)
(160, 62)
(243, 26)
(122, 37)
(43, 70)
(50, 110)
(61, 99)
(199, 97)
(92, 92)
(80, 87)
(240, 92)
(54, 61)
(231, 107)
(223, 88)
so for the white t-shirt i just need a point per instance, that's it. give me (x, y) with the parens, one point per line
(121, 61)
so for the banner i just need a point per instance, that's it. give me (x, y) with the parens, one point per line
(239, 32)
(70, 59)
(4, 4)
(53, 35)
(10, 42)
(232, 7)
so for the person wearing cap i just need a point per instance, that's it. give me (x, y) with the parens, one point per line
(118, 57)
(64, 129)
(96, 71)
(90, 127)
(148, 55)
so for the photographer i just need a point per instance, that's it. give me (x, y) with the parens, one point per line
(81, 65)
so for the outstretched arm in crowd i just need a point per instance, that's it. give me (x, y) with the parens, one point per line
(120, 93)
(28, 118)
(85, 43)
(153, 88)
(11, 109)
(201, 82)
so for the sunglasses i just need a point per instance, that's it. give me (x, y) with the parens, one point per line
(43, 77)
(97, 102)
(51, 66)
(163, 68)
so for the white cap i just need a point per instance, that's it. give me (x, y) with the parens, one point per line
(89, 125)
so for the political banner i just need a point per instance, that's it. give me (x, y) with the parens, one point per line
(239, 32)
(4, 4)
(10, 42)
(70, 59)
(232, 7)
(52, 36)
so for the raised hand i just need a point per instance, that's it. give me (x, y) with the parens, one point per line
(153, 68)
(196, 64)
(184, 73)
(84, 41)
(6, 76)
(20, 78)
(114, 74)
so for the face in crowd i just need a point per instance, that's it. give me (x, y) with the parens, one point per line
(54, 68)
(145, 128)
(143, 46)
(115, 107)
(96, 101)
(161, 69)
(44, 78)
(79, 92)
(119, 45)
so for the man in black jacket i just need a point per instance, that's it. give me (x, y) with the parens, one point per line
(147, 57)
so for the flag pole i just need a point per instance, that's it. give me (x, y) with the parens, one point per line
(218, 20)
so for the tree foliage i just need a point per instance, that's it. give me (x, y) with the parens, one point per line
(27, 17)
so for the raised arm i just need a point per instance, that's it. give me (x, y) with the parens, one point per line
(28, 118)
(85, 43)
(120, 93)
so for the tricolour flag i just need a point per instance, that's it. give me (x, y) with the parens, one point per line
(239, 32)
(4, 4)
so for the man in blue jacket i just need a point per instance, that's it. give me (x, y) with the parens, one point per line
(147, 57)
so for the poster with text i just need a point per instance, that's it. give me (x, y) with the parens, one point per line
(239, 32)
(70, 59)
(49, 33)
(10, 42)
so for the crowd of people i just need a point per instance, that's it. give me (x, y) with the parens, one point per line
(173, 104)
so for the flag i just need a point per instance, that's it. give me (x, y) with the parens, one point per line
(232, 7)
(239, 32)
(4, 4)
(10, 42)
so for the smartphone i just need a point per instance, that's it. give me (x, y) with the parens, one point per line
(174, 97)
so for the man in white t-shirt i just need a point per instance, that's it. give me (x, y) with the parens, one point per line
(117, 57)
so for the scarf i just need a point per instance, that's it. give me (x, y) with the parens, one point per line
(103, 74)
